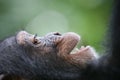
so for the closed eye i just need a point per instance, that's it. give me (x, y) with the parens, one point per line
(35, 40)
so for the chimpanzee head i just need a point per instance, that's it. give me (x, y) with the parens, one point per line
(50, 42)
(54, 43)
(30, 56)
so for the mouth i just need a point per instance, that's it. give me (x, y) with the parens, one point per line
(79, 50)
(69, 44)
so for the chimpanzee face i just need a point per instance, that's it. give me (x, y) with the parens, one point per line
(24, 38)
(51, 41)
(45, 43)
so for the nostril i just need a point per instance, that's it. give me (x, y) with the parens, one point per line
(57, 33)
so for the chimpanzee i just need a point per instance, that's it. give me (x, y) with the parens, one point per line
(47, 57)
(29, 57)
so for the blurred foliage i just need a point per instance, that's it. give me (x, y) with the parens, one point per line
(88, 18)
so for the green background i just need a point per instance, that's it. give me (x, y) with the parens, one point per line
(88, 18)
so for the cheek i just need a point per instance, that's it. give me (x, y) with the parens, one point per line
(48, 50)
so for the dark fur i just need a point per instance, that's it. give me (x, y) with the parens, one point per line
(108, 67)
